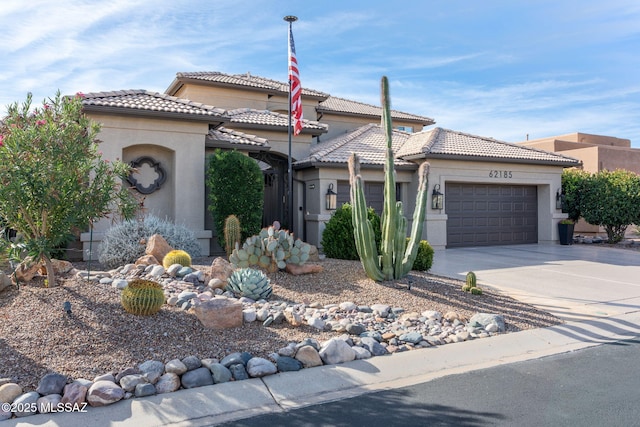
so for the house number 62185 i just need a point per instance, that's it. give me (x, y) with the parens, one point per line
(500, 174)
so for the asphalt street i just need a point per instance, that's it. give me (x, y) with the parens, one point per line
(597, 386)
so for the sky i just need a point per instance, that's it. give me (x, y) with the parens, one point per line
(505, 69)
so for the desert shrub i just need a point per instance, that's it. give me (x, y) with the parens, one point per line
(126, 242)
(236, 187)
(338, 240)
(424, 259)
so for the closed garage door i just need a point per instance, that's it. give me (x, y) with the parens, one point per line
(488, 214)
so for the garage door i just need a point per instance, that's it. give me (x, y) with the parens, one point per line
(489, 214)
(373, 194)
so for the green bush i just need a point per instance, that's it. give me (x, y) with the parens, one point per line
(338, 240)
(424, 259)
(236, 187)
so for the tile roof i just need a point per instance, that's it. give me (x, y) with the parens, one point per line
(444, 143)
(248, 80)
(340, 105)
(252, 116)
(368, 141)
(143, 101)
(234, 137)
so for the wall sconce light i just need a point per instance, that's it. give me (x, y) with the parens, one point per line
(559, 200)
(331, 199)
(437, 198)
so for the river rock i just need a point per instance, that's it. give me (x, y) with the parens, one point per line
(308, 356)
(51, 384)
(26, 401)
(336, 351)
(373, 346)
(9, 391)
(168, 383)
(103, 393)
(288, 364)
(196, 378)
(74, 393)
(48, 403)
(239, 372)
(129, 382)
(495, 322)
(220, 373)
(144, 389)
(259, 367)
(152, 369)
(192, 362)
(175, 366)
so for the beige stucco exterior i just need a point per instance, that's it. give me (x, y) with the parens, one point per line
(179, 146)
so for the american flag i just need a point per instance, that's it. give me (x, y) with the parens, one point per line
(295, 87)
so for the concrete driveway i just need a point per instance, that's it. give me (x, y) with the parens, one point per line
(573, 282)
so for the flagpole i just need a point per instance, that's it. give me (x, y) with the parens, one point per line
(290, 19)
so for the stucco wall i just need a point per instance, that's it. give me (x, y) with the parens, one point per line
(182, 196)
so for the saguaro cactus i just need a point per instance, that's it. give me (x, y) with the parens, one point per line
(397, 256)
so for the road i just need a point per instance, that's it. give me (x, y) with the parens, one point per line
(597, 386)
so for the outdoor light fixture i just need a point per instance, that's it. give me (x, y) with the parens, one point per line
(437, 198)
(331, 199)
(559, 199)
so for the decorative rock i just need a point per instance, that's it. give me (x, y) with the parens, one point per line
(208, 362)
(362, 353)
(296, 269)
(262, 314)
(106, 281)
(5, 281)
(51, 384)
(336, 351)
(192, 362)
(9, 391)
(249, 315)
(287, 364)
(355, 328)
(123, 373)
(5, 415)
(432, 315)
(119, 283)
(127, 269)
(381, 309)
(152, 369)
(373, 346)
(175, 366)
(191, 278)
(486, 319)
(103, 393)
(235, 358)
(220, 373)
(259, 367)
(348, 306)
(158, 247)
(26, 401)
(411, 337)
(239, 372)
(48, 403)
(221, 269)
(167, 383)
(451, 316)
(293, 318)
(157, 271)
(216, 283)
(184, 271)
(147, 260)
(74, 393)
(173, 269)
(105, 377)
(197, 378)
(144, 389)
(219, 313)
(309, 341)
(129, 382)
(317, 323)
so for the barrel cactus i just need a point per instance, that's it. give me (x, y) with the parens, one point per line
(250, 283)
(272, 249)
(176, 256)
(142, 297)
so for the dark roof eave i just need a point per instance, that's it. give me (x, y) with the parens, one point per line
(566, 163)
(318, 164)
(211, 143)
(428, 122)
(155, 114)
(275, 128)
(180, 81)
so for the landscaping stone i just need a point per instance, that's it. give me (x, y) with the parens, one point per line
(9, 391)
(103, 393)
(158, 247)
(373, 346)
(219, 313)
(48, 402)
(74, 393)
(144, 389)
(220, 373)
(197, 378)
(192, 362)
(167, 383)
(239, 372)
(51, 384)
(495, 322)
(26, 401)
(152, 369)
(288, 364)
(259, 367)
(175, 366)
(336, 351)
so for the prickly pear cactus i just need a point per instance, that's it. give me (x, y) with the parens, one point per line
(272, 249)
(250, 283)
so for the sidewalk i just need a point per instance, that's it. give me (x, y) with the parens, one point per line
(219, 403)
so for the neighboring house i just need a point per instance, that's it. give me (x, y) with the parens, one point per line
(597, 153)
(494, 192)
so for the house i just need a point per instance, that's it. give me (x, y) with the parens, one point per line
(494, 192)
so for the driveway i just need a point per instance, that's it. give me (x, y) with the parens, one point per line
(574, 282)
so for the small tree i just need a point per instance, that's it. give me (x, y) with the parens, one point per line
(612, 200)
(338, 240)
(236, 187)
(52, 177)
(573, 181)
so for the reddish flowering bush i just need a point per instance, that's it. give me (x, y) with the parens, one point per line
(52, 178)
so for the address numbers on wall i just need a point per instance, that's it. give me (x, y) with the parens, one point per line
(500, 174)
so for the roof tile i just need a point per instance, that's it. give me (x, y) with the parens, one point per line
(341, 105)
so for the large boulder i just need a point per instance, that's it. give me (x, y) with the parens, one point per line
(298, 269)
(27, 270)
(5, 281)
(219, 313)
(103, 393)
(158, 247)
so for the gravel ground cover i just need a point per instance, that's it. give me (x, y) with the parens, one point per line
(37, 336)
